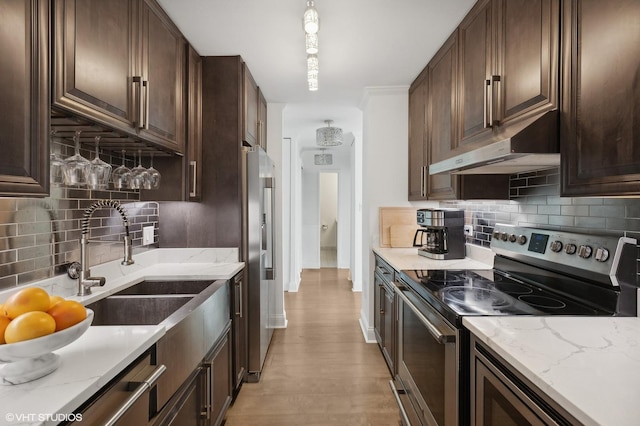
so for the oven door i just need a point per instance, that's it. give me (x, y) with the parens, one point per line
(427, 360)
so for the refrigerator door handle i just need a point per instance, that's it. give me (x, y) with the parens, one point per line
(268, 230)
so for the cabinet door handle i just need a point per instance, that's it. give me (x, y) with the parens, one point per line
(145, 85)
(137, 101)
(239, 298)
(422, 181)
(194, 181)
(495, 93)
(487, 109)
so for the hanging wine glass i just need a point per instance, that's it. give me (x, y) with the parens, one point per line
(99, 171)
(121, 175)
(139, 175)
(56, 166)
(76, 166)
(154, 176)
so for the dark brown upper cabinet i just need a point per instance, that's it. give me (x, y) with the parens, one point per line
(194, 125)
(24, 89)
(182, 175)
(418, 148)
(262, 120)
(600, 125)
(508, 67)
(250, 108)
(163, 79)
(441, 113)
(121, 63)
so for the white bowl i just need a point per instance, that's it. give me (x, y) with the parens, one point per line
(28, 360)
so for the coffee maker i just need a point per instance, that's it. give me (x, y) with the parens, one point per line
(441, 235)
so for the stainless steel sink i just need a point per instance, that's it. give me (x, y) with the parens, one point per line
(194, 315)
(136, 310)
(166, 287)
(148, 303)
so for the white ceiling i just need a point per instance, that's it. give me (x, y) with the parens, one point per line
(372, 43)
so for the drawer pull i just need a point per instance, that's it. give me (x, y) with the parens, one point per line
(141, 388)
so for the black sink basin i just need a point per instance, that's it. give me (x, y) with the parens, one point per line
(136, 310)
(166, 287)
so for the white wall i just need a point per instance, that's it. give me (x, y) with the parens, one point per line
(384, 177)
(310, 219)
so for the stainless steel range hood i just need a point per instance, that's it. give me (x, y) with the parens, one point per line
(528, 146)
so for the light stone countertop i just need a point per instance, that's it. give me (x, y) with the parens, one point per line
(588, 365)
(102, 352)
(408, 258)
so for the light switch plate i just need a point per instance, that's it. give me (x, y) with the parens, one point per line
(147, 235)
(468, 230)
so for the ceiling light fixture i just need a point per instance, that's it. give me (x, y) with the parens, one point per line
(312, 72)
(329, 136)
(323, 159)
(311, 24)
(311, 43)
(310, 19)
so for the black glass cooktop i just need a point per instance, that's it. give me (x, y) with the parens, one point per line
(492, 292)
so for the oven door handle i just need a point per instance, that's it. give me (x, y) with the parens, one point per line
(440, 336)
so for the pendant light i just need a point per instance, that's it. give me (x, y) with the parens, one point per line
(329, 136)
(310, 19)
(323, 159)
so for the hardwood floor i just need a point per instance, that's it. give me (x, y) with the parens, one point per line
(319, 370)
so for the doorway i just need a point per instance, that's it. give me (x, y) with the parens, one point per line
(328, 219)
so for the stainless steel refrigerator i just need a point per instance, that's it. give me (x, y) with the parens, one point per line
(258, 253)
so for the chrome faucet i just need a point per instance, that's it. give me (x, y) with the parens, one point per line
(85, 280)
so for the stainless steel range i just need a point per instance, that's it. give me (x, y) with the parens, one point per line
(536, 272)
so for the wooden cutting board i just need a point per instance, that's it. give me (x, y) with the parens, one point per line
(389, 216)
(402, 235)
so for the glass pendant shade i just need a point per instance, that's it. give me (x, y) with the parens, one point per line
(312, 72)
(323, 159)
(310, 19)
(311, 43)
(329, 136)
(313, 84)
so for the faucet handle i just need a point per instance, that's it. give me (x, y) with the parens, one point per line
(73, 270)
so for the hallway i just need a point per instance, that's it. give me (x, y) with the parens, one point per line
(319, 370)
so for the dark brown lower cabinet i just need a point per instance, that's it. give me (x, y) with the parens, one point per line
(385, 323)
(204, 398)
(239, 334)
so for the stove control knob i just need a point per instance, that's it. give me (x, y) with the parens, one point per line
(504, 236)
(570, 249)
(522, 239)
(585, 251)
(556, 246)
(512, 238)
(602, 254)
(496, 235)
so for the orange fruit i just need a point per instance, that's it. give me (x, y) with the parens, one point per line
(26, 300)
(29, 326)
(53, 300)
(4, 322)
(67, 313)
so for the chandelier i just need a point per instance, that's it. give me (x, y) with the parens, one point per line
(329, 136)
(311, 25)
(323, 159)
